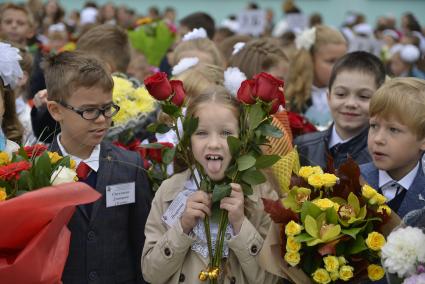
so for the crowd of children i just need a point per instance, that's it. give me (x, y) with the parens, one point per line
(56, 88)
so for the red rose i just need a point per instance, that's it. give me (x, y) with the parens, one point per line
(13, 170)
(267, 87)
(275, 107)
(158, 86)
(35, 151)
(299, 124)
(246, 92)
(179, 93)
(281, 96)
(156, 154)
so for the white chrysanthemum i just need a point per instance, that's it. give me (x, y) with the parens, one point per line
(233, 78)
(306, 39)
(63, 175)
(10, 71)
(404, 248)
(184, 64)
(195, 34)
(237, 47)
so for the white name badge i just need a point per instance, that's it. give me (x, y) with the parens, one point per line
(176, 208)
(120, 194)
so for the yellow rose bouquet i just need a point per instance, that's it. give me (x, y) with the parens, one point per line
(330, 227)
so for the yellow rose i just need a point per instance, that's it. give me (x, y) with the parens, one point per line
(292, 228)
(293, 258)
(292, 245)
(72, 164)
(329, 180)
(307, 171)
(324, 203)
(334, 275)
(385, 208)
(315, 180)
(368, 192)
(375, 241)
(321, 276)
(4, 158)
(3, 194)
(375, 272)
(54, 157)
(341, 260)
(346, 272)
(378, 199)
(331, 263)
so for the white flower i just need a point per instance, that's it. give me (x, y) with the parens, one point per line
(306, 39)
(404, 248)
(233, 78)
(10, 71)
(63, 175)
(237, 47)
(195, 34)
(184, 64)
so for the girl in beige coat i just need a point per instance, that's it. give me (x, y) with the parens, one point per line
(175, 248)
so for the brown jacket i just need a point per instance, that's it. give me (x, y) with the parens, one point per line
(167, 255)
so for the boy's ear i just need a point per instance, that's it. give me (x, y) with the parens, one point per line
(55, 110)
(422, 144)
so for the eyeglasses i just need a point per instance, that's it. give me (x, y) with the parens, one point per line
(107, 111)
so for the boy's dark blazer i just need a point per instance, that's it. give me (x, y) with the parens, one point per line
(313, 149)
(107, 247)
(415, 195)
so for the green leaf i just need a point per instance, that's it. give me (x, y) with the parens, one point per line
(168, 155)
(357, 246)
(253, 177)
(308, 208)
(234, 145)
(247, 189)
(266, 161)
(331, 216)
(190, 124)
(331, 233)
(158, 128)
(255, 116)
(152, 146)
(23, 182)
(303, 237)
(170, 109)
(245, 162)
(220, 191)
(270, 130)
(311, 226)
(352, 232)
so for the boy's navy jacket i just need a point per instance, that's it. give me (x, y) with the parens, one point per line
(106, 246)
(414, 198)
(313, 149)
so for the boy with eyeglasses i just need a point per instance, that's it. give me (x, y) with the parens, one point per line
(107, 237)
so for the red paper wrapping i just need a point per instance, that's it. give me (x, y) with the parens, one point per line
(34, 239)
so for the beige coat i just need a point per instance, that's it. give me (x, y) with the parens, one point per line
(167, 255)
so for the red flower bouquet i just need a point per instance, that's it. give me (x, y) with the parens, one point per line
(34, 241)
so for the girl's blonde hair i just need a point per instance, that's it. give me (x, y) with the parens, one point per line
(203, 45)
(258, 55)
(403, 98)
(301, 69)
(200, 77)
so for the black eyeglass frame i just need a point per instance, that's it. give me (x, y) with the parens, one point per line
(99, 110)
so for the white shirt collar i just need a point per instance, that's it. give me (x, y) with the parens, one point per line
(92, 161)
(406, 181)
(336, 139)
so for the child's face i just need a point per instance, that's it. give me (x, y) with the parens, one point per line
(324, 59)
(279, 70)
(15, 26)
(77, 131)
(209, 142)
(348, 101)
(397, 66)
(393, 146)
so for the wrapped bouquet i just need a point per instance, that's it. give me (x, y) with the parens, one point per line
(329, 227)
(38, 195)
